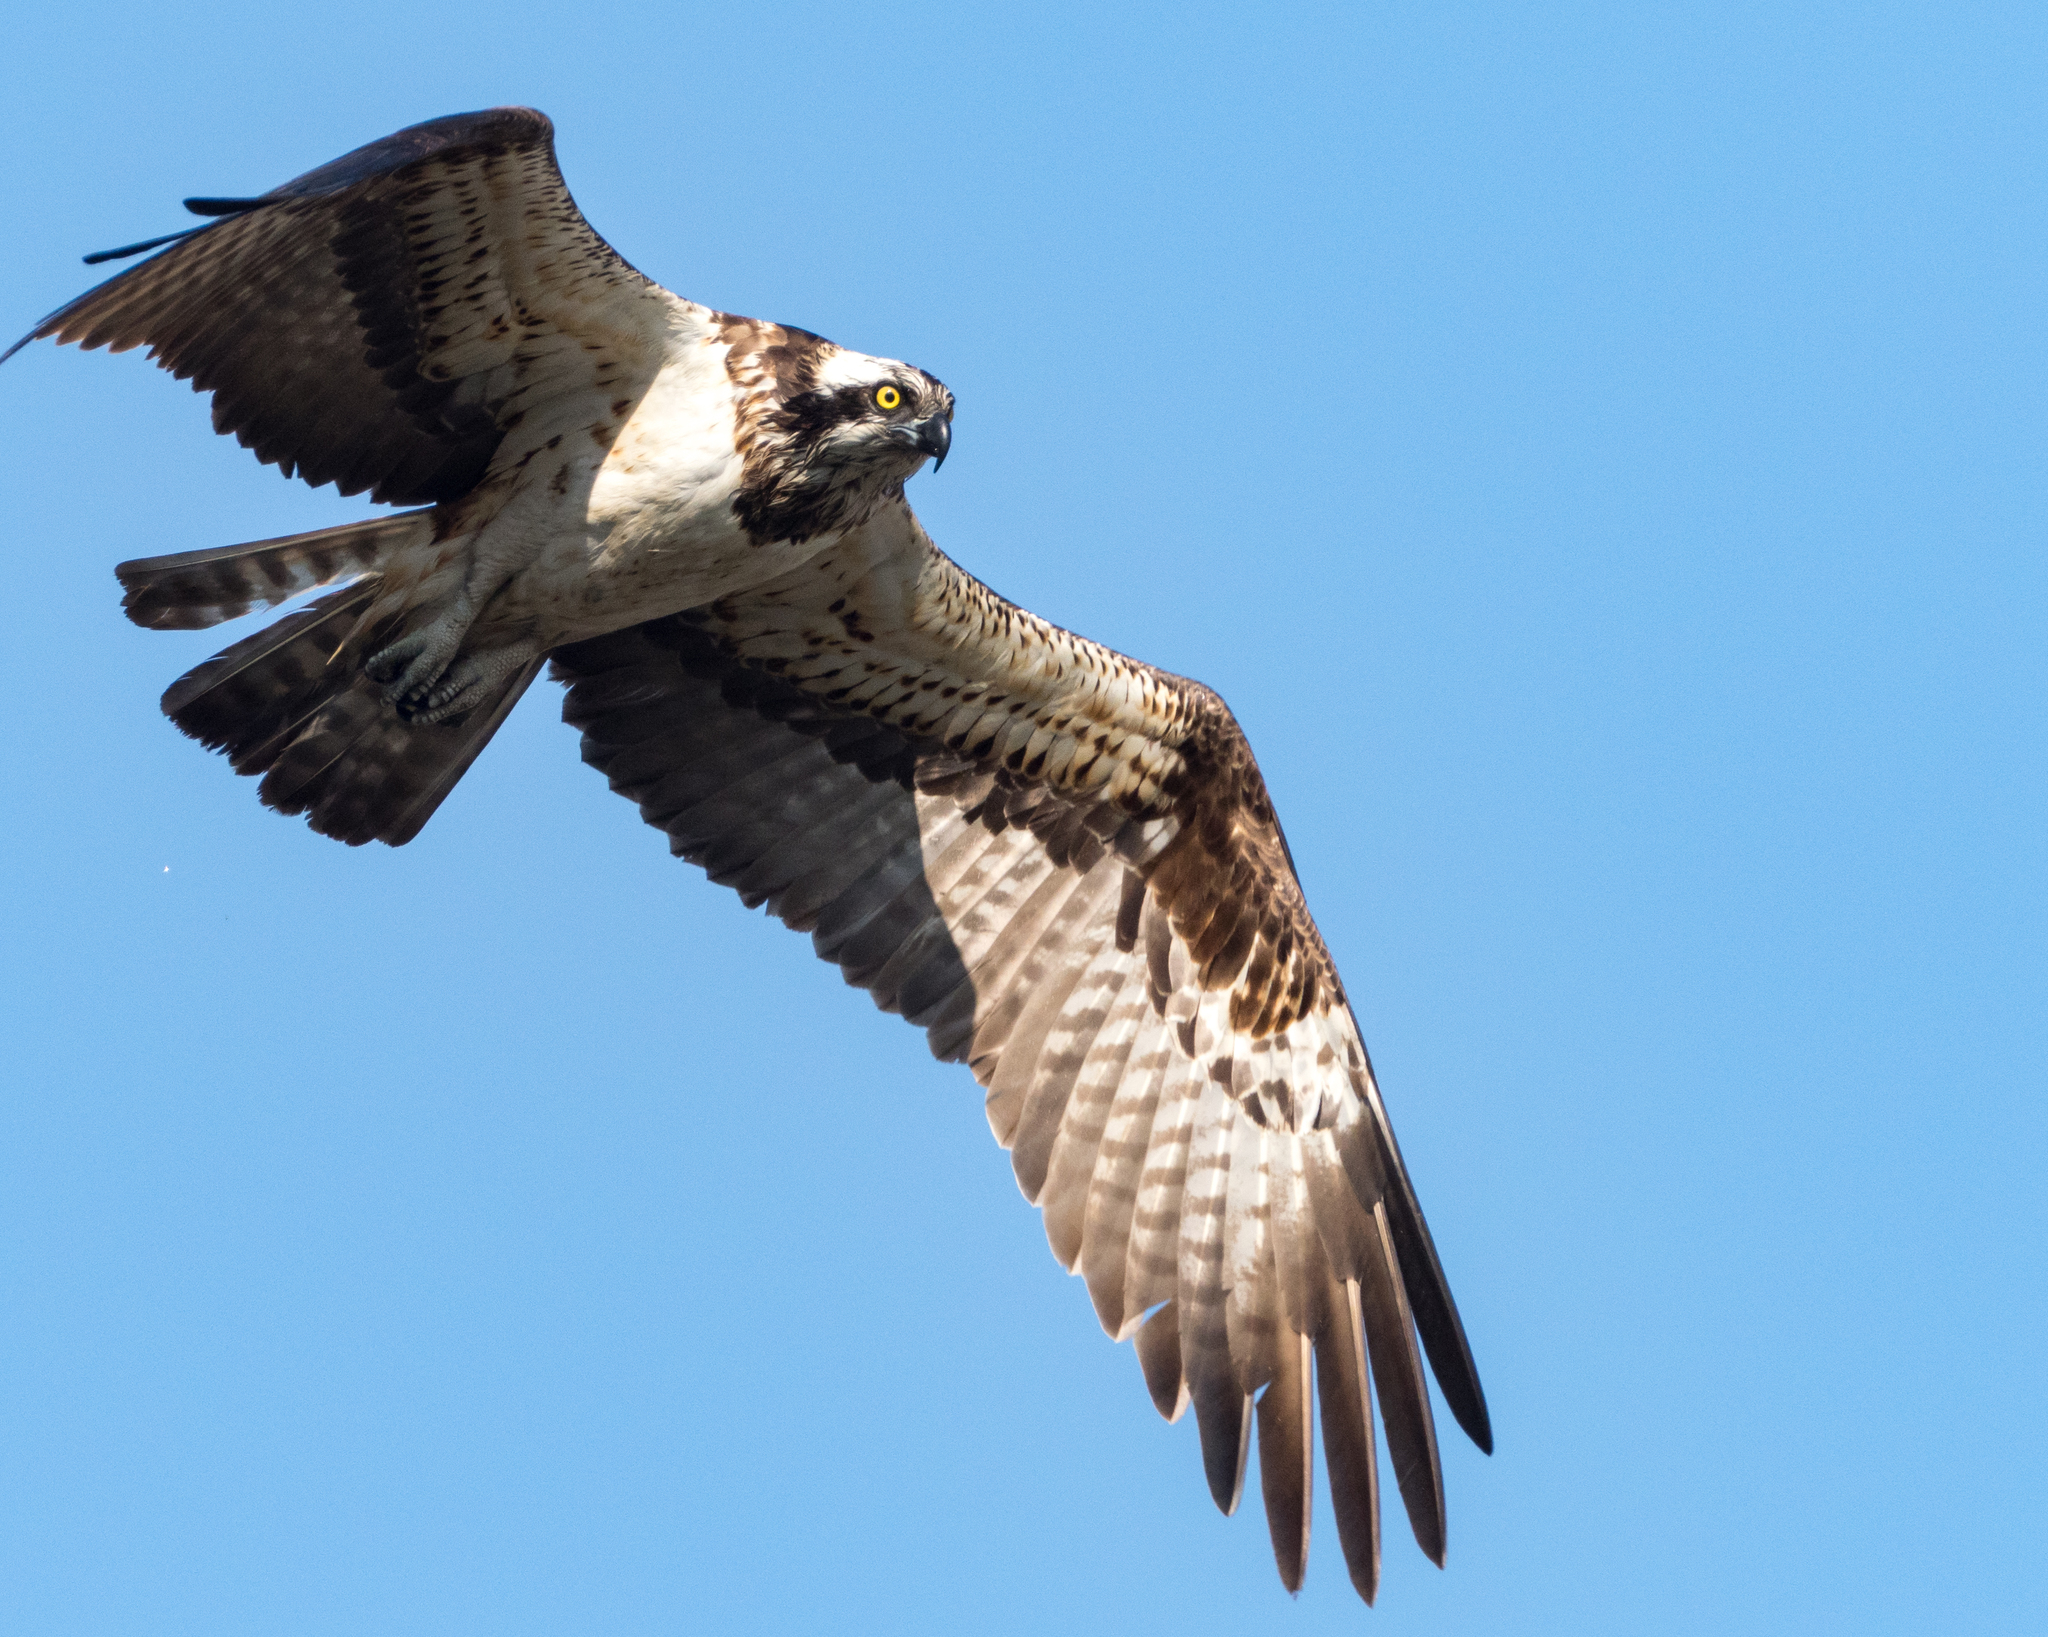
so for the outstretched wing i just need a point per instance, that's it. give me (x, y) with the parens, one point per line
(1064, 866)
(381, 322)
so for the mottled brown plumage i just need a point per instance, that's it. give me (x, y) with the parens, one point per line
(1060, 863)
(318, 318)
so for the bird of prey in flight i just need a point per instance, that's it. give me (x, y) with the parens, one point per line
(1060, 863)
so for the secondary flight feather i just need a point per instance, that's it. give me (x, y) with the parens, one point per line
(1061, 863)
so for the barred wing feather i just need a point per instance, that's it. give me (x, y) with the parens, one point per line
(1064, 868)
(381, 322)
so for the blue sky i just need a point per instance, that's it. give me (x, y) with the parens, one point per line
(1596, 449)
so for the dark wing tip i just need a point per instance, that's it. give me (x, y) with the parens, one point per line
(1429, 1298)
(51, 323)
(199, 207)
(1224, 1424)
(223, 207)
(1478, 1428)
(140, 245)
(1441, 1330)
(48, 324)
(1427, 1289)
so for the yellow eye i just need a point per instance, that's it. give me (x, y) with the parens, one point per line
(887, 397)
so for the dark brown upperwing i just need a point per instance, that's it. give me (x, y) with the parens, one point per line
(320, 314)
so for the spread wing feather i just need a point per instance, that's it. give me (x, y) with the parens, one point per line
(1061, 864)
(381, 322)
(1064, 867)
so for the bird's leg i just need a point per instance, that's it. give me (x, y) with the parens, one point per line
(421, 677)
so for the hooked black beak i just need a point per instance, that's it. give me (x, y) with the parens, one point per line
(935, 437)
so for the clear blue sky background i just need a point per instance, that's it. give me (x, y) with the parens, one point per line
(1596, 449)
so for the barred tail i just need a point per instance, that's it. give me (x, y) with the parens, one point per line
(286, 703)
(193, 589)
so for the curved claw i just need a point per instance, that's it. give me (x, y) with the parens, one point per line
(465, 683)
(411, 666)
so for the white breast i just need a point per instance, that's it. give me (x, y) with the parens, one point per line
(636, 497)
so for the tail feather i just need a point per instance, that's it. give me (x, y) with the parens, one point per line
(289, 704)
(190, 590)
(361, 774)
(246, 696)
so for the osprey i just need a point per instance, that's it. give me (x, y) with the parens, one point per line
(1060, 863)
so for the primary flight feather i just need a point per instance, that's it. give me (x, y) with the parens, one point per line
(1059, 862)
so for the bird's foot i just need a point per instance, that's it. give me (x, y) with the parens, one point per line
(462, 685)
(412, 668)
